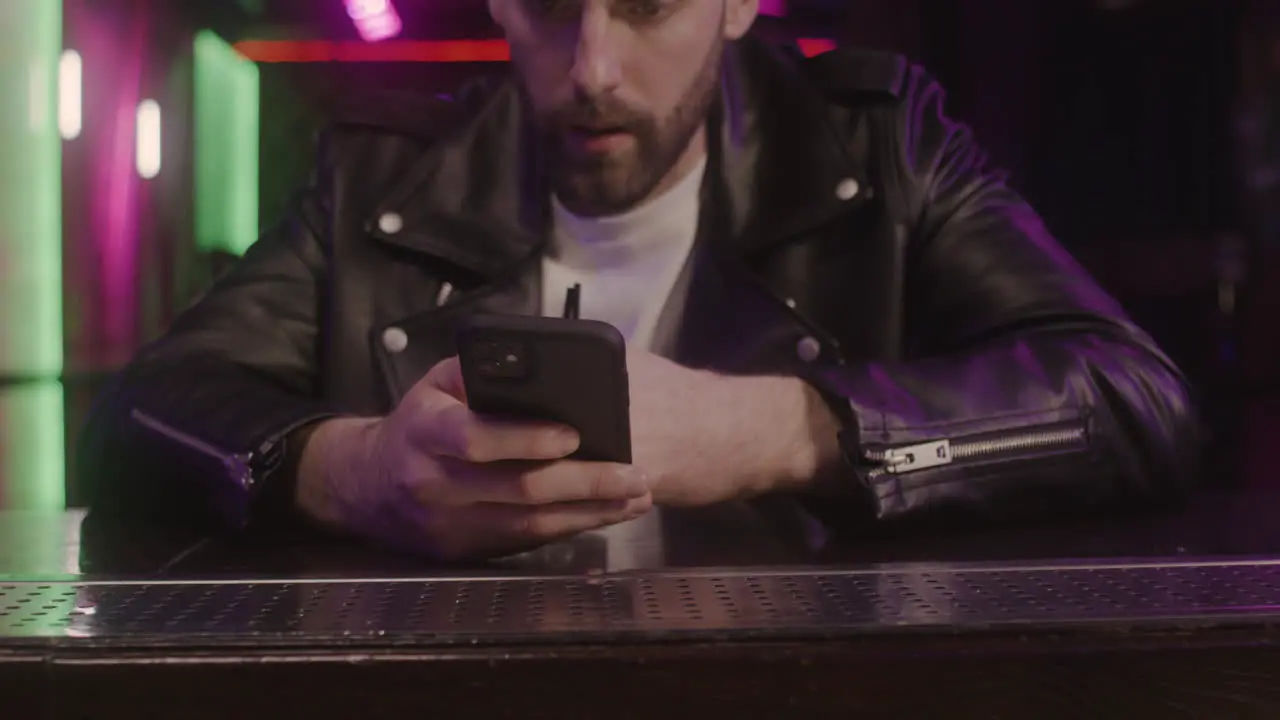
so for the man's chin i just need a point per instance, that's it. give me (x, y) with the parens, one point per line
(595, 196)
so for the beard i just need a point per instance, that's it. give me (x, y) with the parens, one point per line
(597, 184)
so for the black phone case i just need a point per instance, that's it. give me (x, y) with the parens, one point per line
(572, 372)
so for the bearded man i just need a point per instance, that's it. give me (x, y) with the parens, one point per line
(827, 296)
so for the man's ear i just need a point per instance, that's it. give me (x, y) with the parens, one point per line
(739, 16)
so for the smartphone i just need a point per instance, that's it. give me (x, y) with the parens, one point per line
(568, 371)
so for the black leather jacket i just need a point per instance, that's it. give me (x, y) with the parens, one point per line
(852, 235)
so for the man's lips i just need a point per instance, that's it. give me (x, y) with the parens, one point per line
(596, 129)
(599, 139)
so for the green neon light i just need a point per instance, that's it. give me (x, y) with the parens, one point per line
(32, 459)
(226, 147)
(33, 447)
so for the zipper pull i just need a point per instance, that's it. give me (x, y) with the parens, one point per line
(913, 457)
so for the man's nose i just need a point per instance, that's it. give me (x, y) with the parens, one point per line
(596, 66)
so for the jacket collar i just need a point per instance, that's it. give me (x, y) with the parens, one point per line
(478, 198)
(782, 151)
(781, 163)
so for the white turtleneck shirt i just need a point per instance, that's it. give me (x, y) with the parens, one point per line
(627, 264)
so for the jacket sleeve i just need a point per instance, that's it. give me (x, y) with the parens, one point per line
(193, 429)
(1022, 387)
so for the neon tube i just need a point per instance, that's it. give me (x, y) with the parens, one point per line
(375, 20)
(70, 95)
(227, 120)
(148, 141)
(32, 457)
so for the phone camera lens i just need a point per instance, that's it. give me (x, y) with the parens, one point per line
(500, 359)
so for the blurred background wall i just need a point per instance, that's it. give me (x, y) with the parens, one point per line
(143, 143)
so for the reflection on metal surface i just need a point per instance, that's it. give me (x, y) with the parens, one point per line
(688, 605)
(634, 545)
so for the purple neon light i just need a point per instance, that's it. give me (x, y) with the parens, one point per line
(776, 8)
(375, 19)
(119, 237)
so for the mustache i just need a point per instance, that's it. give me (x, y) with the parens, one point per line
(601, 112)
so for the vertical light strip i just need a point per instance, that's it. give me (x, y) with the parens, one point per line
(70, 95)
(115, 195)
(227, 100)
(32, 446)
(32, 459)
(148, 129)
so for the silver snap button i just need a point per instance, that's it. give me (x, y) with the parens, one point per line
(791, 303)
(391, 223)
(809, 349)
(395, 340)
(847, 189)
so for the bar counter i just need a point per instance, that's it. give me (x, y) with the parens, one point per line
(1172, 613)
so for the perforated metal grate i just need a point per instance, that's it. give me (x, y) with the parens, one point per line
(694, 604)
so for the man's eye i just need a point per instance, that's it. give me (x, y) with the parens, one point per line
(629, 10)
(556, 8)
(644, 10)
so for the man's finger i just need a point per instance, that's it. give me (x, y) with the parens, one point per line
(446, 377)
(545, 484)
(549, 522)
(451, 430)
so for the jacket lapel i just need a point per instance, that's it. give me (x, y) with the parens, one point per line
(408, 348)
(478, 198)
(775, 177)
(785, 157)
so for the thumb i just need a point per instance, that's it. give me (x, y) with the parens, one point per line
(446, 377)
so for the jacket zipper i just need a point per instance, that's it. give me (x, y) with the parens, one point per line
(240, 465)
(938, 453)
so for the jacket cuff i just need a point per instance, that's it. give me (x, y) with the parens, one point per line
(839, 499)
(274, 500)
(906, 459)
(244, 467)
(836, 402)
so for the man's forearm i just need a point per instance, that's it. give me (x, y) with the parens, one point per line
(785, 435)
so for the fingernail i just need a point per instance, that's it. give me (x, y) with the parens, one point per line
(569, 439)
(634, 480)
(638, 507)
(561, 442)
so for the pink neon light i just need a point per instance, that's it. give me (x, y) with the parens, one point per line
(375, 19)
(777, 8)
(816, 46)
(117, 199)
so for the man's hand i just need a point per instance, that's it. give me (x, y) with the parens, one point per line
(705, 438)
(434, 477)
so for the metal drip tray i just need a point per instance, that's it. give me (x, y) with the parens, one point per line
(659, 606)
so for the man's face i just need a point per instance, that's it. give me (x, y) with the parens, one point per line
(619, 88)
